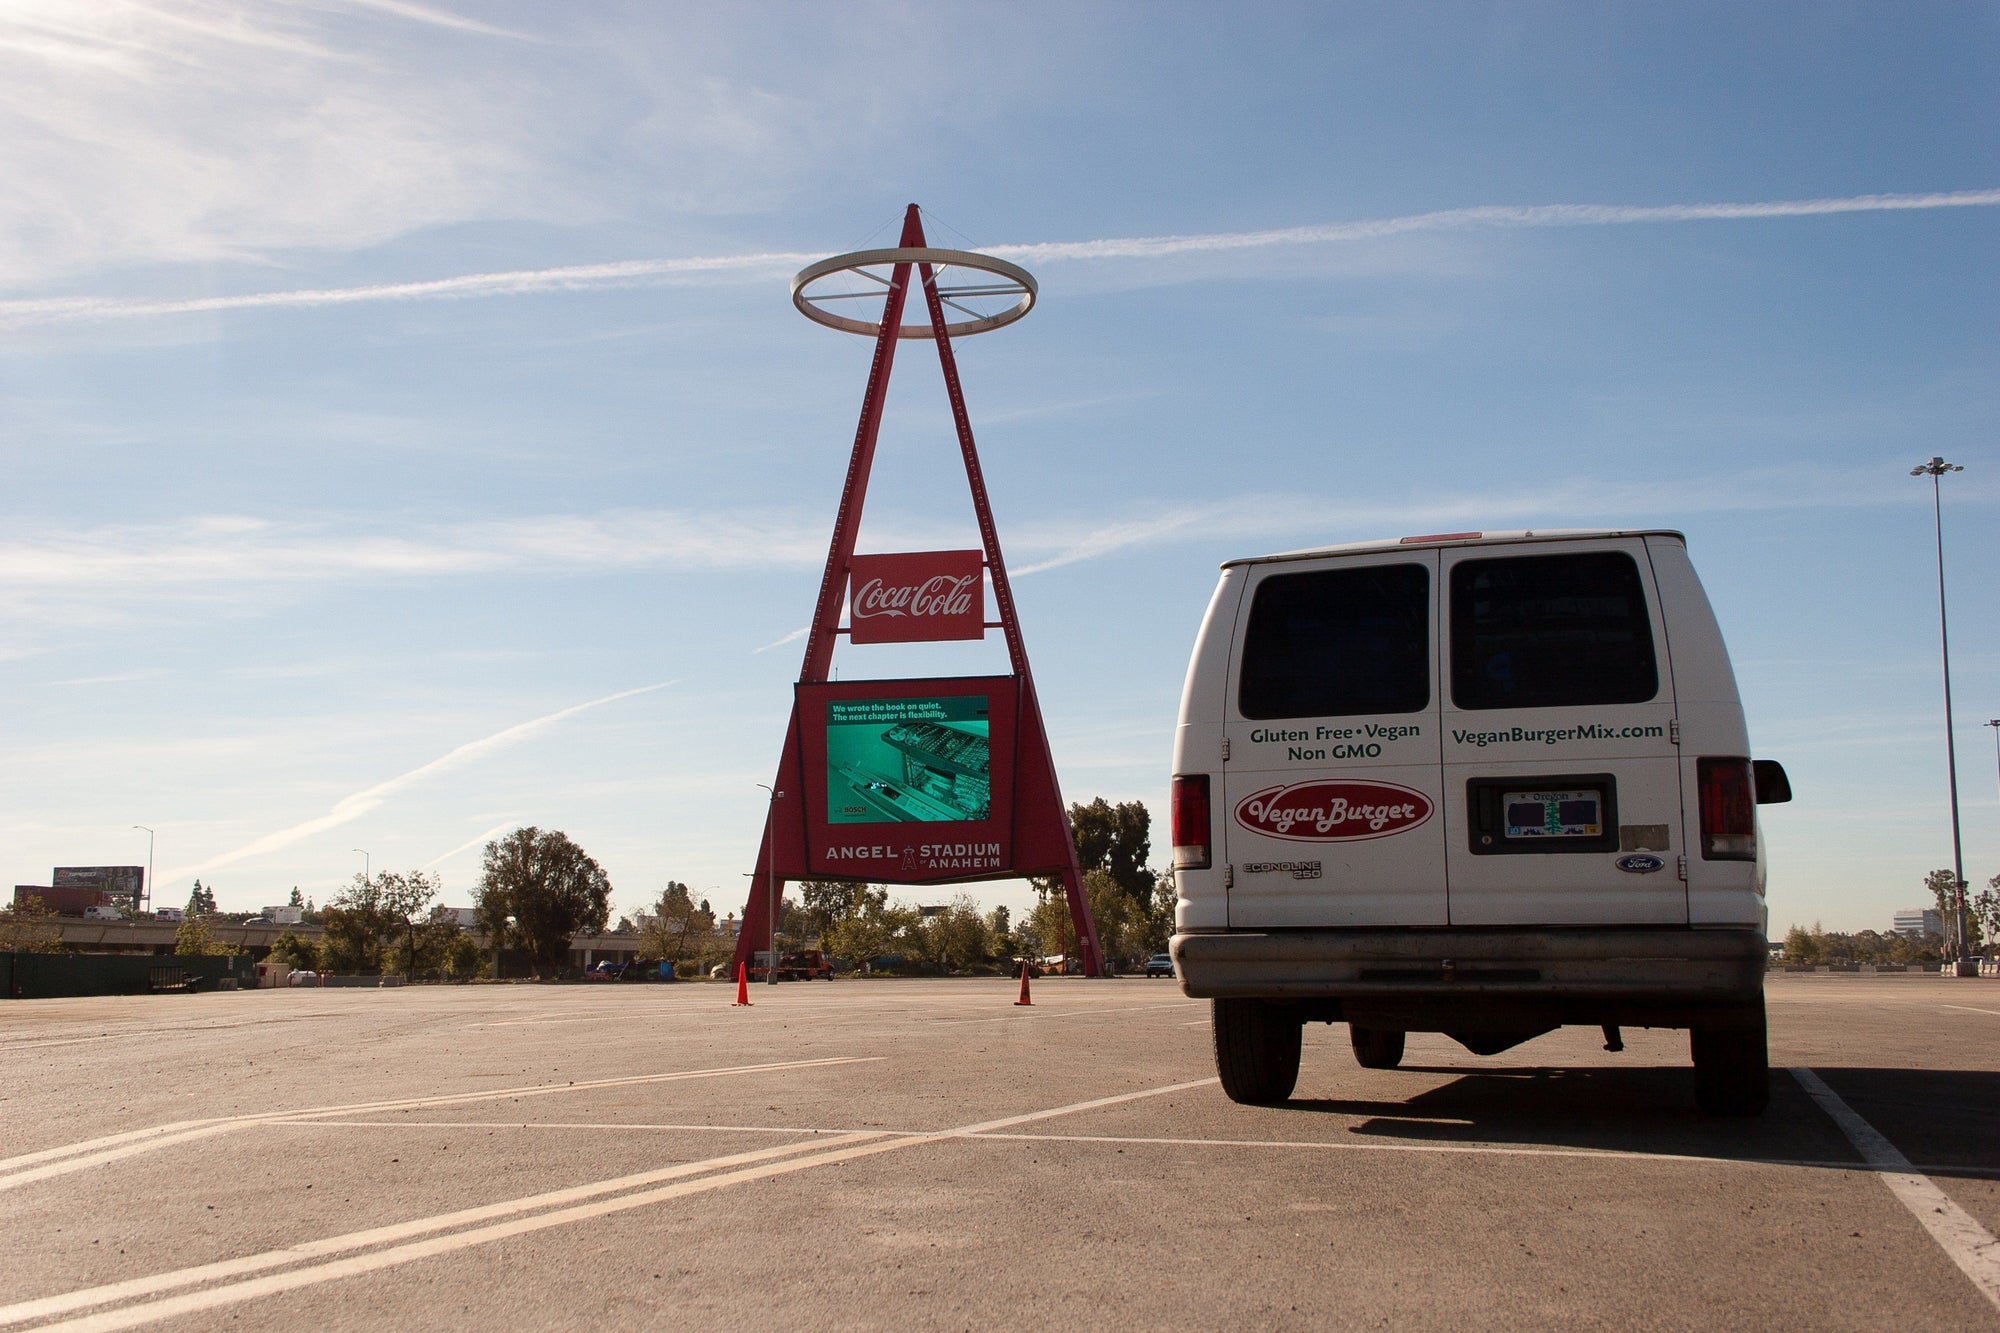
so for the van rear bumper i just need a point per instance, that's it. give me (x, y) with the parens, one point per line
(1414, 976)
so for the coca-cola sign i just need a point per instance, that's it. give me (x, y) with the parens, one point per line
(916, 597)
(1333, 811)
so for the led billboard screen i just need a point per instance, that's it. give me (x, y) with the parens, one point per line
(925, 761)
(909, 781)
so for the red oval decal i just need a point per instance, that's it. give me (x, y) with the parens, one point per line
(1333, 811)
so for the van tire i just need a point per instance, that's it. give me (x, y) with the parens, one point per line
(1732, 1074)
(1256, 1050)
(1376, 1048)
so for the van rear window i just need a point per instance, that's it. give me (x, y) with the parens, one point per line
(1338, 643)
(1545, 631)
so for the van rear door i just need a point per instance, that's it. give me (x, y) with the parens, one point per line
(1561, 772)
(1330, 809)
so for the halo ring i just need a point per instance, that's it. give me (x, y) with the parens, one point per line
(1012, 280)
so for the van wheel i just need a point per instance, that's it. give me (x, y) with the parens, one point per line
(1376, 1048)
(1732, 1074)
(1256, 1050)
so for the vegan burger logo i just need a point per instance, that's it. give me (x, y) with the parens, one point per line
(1334, 811)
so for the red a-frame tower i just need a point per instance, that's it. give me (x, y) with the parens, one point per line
(976, 796)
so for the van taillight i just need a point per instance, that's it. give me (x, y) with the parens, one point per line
(1728, 810)
(1190, 820)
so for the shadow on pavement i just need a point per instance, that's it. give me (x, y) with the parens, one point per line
(1947, 1122)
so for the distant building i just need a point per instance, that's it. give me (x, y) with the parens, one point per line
(286, 915)
(467, 917)
(1917, 922)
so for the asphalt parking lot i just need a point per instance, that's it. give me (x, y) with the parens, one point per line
(931, 1155)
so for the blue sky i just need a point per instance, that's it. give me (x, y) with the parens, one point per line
(321, 534)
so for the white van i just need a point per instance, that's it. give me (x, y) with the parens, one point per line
(1478, 784)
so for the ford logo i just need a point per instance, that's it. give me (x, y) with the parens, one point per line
(1640, 864)
(1334, 811)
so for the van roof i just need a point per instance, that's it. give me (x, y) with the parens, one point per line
(1427, 541)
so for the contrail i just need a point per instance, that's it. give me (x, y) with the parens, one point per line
(649, 272)
(360, 803)
(579, 277)
(793, 637)
(479, 841)
(1498, 216)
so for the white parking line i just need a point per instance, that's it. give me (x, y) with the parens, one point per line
(23, 1170)
(1314, 1145)
(160, 1283)
(213, 1298)
(1968, 1009)
(1963, 1240)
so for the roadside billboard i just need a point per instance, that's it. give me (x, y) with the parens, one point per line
(123, 882)
(909, 781)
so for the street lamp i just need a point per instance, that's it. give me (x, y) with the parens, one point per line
(367, 873)
(1995, 724)
(149, 862)
(1934, 469)
(771, 878)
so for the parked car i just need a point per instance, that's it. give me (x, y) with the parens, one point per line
(1160, 965)
(305, 978)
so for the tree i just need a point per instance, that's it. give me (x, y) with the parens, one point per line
(1986, 911)
(297, 899)
(1123, 923)
(294, 951)
(193, 936)
(538, 890)
(201, 902)
(462, 959)
(825, 903)
(876, 929)
(355, 926)
(678, 926)
(1943, 886)
(30, 926)
(1116, 839)
(958, 936)
(404, 898)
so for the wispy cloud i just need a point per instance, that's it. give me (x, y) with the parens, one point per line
(641, 272)
(236, 550)
(106, 571)
(353, 807)
(150, 130)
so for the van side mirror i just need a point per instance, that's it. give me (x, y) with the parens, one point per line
(1773, 787)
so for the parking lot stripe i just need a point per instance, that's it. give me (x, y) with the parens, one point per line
(195, 1302)
(18, 1171)
(45, 1307)
(1968, 1009)
(1968, 1244)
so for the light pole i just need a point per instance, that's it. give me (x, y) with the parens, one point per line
(367, 873)
(1995, 724)
(1934, 469)
(771, 878)
(149, 862)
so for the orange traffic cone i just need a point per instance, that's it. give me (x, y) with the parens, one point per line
(743, 985)
(1024, 986)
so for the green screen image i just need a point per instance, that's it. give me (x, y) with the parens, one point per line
(924, 761)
